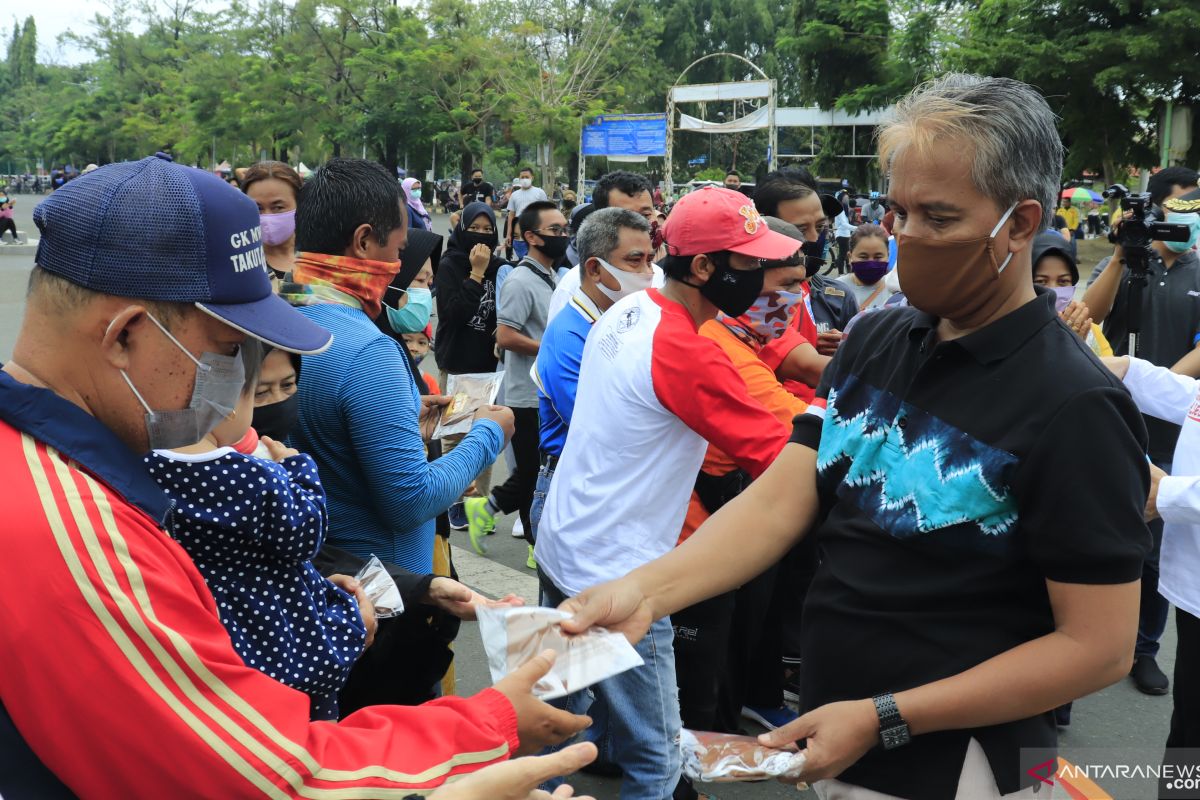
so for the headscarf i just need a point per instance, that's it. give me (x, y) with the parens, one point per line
(469, 214)
(414, 199)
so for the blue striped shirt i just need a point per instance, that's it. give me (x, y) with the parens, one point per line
(359, 408)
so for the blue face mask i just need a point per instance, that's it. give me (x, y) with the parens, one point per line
(414, 316)
(1192, 219)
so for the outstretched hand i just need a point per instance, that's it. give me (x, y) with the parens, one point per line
(461, 601)
(518, 779)
(539, 724)
(617, 605)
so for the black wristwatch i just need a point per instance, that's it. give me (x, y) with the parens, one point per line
(893, 730)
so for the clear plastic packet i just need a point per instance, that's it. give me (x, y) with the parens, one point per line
(468, 393)
(380, 589)
(726, 757)
(513, 635)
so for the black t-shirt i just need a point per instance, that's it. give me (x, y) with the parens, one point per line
(1170, 328)
(476, 194)
(955, 478)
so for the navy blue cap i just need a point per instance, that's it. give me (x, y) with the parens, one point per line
(156, 230)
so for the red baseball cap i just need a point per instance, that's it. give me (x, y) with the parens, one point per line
(710, 220)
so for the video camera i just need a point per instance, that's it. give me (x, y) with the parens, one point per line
(1136, 233)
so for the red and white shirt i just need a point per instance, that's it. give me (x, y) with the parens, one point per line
(652, 394)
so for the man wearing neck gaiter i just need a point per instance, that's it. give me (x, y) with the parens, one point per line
(359, 411)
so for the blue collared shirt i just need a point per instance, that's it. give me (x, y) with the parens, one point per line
(556, 371)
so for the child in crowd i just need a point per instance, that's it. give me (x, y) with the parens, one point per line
(252, 524)
(1054, 268)
(868, 267)
(418, 345)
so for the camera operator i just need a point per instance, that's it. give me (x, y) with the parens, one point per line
(1169, 331)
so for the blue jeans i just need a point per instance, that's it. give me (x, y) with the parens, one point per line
(635, 715)
(540, 490)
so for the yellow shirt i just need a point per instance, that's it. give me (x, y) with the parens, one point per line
(1071, 215)
(1098, 343)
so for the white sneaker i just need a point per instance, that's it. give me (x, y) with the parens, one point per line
(518, 529)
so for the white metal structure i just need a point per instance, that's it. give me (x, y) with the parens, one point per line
(765, 116)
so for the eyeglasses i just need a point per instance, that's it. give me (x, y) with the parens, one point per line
(553, 230)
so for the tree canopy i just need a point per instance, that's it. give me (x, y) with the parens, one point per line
(493, 82)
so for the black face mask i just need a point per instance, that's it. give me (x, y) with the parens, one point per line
(277, 420)
(472, 238)
(731, 290)
(814, 255)
(476, 181)
(555, 247)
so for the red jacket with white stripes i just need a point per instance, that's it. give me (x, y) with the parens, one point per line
(118, 673)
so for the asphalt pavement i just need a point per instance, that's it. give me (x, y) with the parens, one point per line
(1119, 720)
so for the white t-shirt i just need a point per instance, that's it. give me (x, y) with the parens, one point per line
(520, 198)
(652, 394)
(842, 228)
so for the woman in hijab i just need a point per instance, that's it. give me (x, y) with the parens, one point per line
(418, 217)
(408, 301)
(465, 287)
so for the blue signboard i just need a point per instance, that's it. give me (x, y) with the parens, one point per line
(626, 135)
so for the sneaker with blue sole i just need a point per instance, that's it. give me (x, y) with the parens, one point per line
(480, 522)
(458, 517)
(770, 718)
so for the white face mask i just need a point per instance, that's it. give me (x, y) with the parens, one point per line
(630, 282)
(525, 183)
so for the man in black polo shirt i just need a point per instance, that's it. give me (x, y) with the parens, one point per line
(976, 478)
(1170, 331)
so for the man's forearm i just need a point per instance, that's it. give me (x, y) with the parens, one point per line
(803, 364)
(516, 342)
(1100, 295)
(1028, 679)
(748, 535)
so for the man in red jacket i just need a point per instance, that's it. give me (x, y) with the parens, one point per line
(149, 275)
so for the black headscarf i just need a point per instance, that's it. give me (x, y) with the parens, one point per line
(470, 214)
(422, 246)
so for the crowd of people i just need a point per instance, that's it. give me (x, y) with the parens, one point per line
(878, 478)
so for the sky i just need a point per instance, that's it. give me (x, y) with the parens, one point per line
(53, 17)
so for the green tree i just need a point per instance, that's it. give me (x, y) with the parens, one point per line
(1106, 68)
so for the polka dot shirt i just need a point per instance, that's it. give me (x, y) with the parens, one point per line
(252, 527)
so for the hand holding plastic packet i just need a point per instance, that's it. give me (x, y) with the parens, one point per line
(512, 636)
(726, 757)
(380, 589)
(468, 393)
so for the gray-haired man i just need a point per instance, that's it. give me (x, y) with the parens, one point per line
(952, 574)
(615, 255)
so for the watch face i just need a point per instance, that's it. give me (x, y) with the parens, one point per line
(894, 737)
